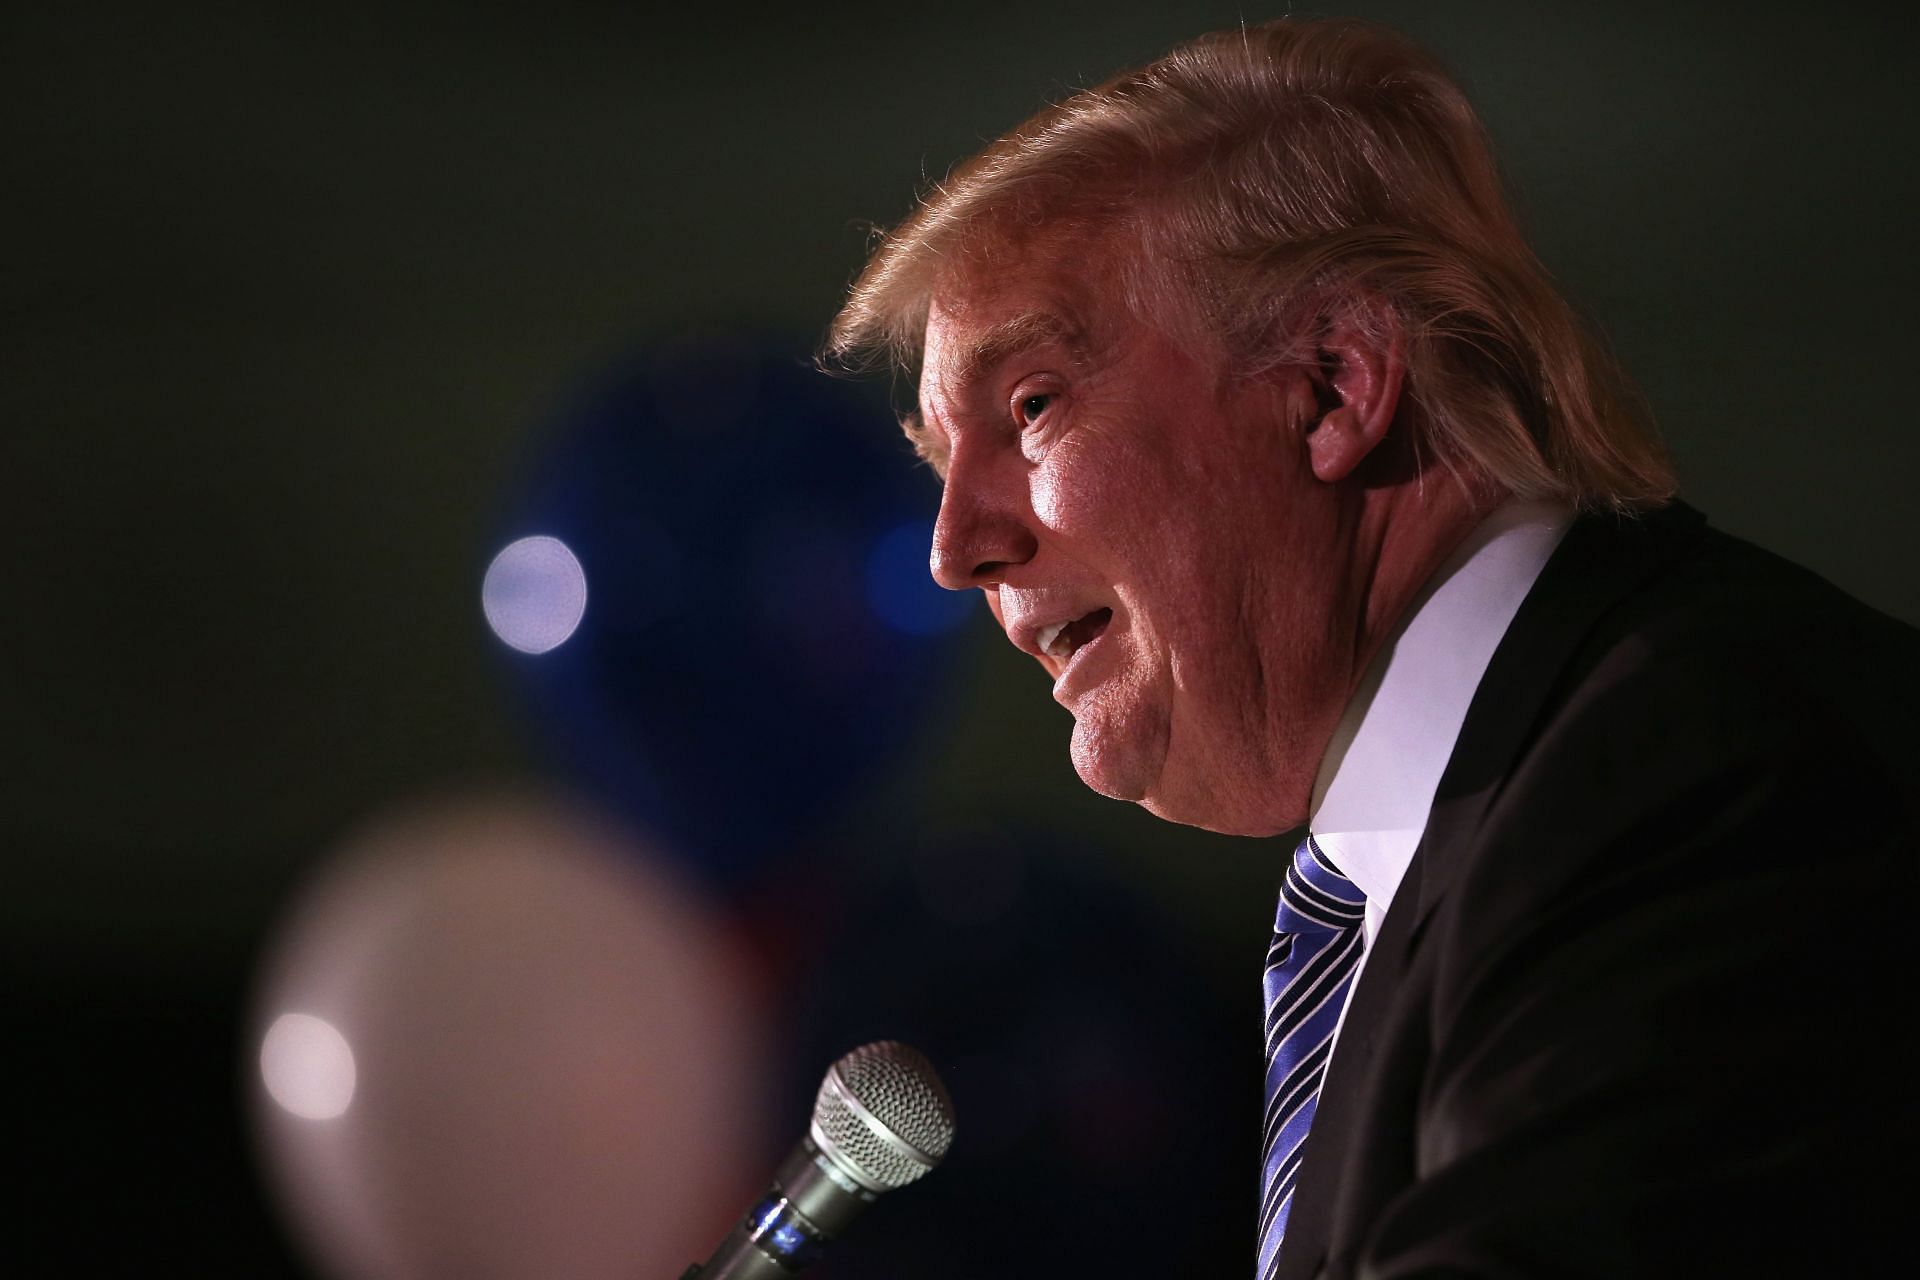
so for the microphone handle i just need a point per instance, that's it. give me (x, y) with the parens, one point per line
(811, 1201)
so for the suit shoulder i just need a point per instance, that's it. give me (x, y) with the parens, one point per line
(1708, 723)
(1731, 652)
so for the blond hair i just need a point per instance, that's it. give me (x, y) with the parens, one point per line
(1274, 176)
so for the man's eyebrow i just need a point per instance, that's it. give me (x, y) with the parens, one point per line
(1010, 337)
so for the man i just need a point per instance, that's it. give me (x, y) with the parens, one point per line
(1263, 431)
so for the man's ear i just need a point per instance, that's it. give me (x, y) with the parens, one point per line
(1361, 363)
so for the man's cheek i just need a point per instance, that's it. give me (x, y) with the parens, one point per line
(1067, 492)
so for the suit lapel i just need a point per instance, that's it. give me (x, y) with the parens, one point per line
(1600, 561)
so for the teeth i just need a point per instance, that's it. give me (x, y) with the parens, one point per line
(1049, 636)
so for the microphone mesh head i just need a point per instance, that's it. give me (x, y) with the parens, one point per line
(907, 1124)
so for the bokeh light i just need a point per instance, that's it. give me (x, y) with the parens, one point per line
(307, 1066)
(534, 594)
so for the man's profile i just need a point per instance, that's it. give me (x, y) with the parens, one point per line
(1266, 434)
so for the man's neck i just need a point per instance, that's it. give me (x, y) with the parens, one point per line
(1383, 765)
(1404, 534)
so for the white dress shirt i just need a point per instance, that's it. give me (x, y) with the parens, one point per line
(1377, 781)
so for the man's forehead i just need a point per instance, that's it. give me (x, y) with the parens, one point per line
(1072, 263)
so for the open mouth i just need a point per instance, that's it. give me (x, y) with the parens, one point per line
(1063, 639)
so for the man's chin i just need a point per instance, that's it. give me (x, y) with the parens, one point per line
(1116, 765)
(1211, 816)
(1137, 768)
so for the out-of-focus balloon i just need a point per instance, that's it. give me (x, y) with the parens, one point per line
(763, 632)
(491, 1042)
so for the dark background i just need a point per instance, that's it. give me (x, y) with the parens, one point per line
(287, 294)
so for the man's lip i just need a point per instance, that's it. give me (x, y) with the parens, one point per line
(1045, 641)
(1026, 635)
(1064, 671)
(1086, 628)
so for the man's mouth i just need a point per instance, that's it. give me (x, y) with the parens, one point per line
(1061, 640)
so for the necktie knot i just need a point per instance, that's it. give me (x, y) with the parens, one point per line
(1315, 897)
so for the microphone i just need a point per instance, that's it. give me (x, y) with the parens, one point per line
(881, 1120)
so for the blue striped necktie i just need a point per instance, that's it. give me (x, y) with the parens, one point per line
(1316, 948)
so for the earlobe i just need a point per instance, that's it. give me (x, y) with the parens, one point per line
(1362, 364)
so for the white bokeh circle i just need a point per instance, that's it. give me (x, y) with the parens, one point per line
(534, 594)
(307, 1066)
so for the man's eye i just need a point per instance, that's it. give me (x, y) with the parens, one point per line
(1031, 407)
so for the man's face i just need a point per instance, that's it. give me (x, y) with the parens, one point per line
(1151, 531)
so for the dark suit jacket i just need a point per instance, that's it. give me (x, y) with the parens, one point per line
(1641, 1004)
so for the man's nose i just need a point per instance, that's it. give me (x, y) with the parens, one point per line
(976, 538)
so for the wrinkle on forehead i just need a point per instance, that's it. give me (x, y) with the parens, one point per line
(1040, 281)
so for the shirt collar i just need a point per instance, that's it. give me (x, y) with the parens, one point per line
(1377, 780)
